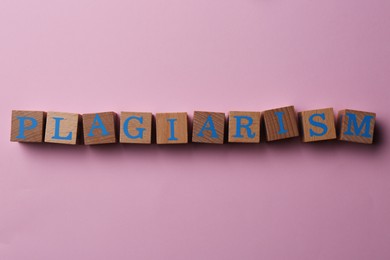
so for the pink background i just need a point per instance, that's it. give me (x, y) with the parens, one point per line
(285, 200)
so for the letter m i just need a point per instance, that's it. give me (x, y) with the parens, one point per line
(353, 128)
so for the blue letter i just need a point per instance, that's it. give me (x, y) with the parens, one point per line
(365, 122)
(282, 130)
(318, 124)
(172, 129)
(57, 130)
(99, 125)
(140, 130)
(239, 125)
(22, 126)
(209, 121)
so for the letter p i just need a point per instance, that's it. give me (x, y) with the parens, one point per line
(23, 125)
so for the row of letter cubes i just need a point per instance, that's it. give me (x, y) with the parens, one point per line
(207, 127)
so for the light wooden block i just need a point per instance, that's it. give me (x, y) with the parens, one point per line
(99, 128)
(172, 128)
(208, 127)
(62, 128)
(244, 127)
(28, 126)
(135, 128)
(317, 125)
(356, 126)
(281, 123)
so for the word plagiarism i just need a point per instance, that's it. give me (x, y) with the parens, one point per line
(207, 127)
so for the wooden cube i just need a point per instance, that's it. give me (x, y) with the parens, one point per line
(244, 127)
(356, 126)
(99, 128)
(208, 127)
(28, 126)
(281, 123)
(317, 125)
(136, 128)
(62, 128)
(172, 128)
